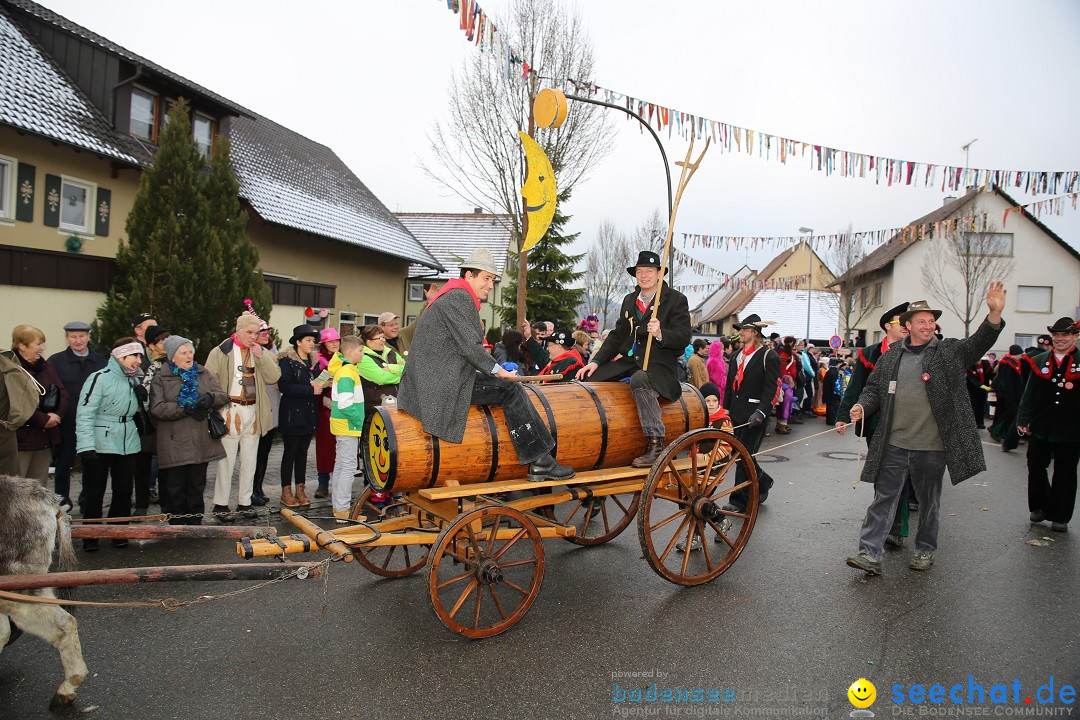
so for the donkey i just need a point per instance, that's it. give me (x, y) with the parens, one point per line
(31, 524)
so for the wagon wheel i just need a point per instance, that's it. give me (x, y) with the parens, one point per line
(392, 561)
(480, 585)
(597, 519)
(679, 507)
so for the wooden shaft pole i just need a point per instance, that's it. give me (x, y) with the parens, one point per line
(169, 532)
(321, 539)
(173, 573)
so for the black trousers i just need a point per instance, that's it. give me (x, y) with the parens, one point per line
(294, 458)
(528, 432)
(978, 404)
(143, 465)
(96, 474)
(263, 458)
(64, 457)
(751, 438)
(182, 490)
(1056, 499)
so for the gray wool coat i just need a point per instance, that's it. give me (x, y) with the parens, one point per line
(446, 353)
(946, 362)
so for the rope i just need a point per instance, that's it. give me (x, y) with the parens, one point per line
(793, 442)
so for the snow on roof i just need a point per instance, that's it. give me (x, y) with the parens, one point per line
(787, 309)
(452, 237)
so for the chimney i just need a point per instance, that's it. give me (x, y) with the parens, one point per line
(947, 200)
(478, 211)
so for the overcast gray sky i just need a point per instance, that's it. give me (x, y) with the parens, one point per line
(910, 79)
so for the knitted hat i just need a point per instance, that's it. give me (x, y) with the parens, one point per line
(174, 343)
(247, 320)
(153, 333)
(708, 389)
(1016, 350)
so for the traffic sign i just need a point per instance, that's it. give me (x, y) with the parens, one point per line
(836, 342)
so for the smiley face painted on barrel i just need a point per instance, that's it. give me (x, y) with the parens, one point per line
(862, 693)
(379, 451)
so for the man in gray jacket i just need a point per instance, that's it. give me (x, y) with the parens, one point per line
(926, 426)
(448, 370)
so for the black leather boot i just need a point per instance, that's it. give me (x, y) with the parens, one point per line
(547, 468)
(652, 452)
(258, 497)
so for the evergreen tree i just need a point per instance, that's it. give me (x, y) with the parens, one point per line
(551, 272)
(185, 248)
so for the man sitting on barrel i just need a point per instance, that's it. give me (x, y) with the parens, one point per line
(623, 353)
(448, 370)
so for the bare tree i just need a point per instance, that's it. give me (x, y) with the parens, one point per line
(961, 265)
(842, 257)
(650, 235)
(605, 270)
(477, 153)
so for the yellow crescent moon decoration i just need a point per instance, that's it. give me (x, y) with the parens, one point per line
(539, 191)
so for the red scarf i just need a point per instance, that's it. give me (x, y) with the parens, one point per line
(748, 352)
(456, 284)
(884, 346)
(239, 344)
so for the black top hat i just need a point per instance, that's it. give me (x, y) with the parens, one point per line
(562, 337)
(917, 307)
(888, 315)
(752, 321)
(645, 258)
(1065, 325)
(302, 331)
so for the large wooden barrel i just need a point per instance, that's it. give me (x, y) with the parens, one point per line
(595, 425)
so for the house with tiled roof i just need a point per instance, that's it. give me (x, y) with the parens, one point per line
(451, 237)
(784, 280)
(79, 119)
(1042, 282)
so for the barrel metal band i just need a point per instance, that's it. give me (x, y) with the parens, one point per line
(550, 416)
(603, 424)
(434, 461)
(704, 406)
(685, 410)
(494, 443)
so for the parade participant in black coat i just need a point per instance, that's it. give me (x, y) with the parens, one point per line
(979, 377)
(1008, 386)
(1050, 415)
(73, 364)
(753, 381)
(865, 360)
(622, 354)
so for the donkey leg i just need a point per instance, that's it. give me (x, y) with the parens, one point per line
(58, 628)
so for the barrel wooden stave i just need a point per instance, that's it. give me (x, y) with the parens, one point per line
(596, 426)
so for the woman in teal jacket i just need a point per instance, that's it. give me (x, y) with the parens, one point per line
(107, 438)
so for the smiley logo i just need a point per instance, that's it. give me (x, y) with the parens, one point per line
(862, 693)
(378, 450)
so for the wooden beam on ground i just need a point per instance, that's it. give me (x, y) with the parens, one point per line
(173, 573)
(169, 532)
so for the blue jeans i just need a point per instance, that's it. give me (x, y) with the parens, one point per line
(927, 468)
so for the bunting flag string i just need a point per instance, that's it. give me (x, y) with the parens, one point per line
(482, 31)
(979, 222)
(725, 280)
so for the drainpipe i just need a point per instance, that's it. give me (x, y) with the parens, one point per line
(117, 86)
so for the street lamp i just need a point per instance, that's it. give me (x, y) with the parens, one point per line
(809, 232)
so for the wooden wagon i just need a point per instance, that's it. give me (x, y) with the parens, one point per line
(466, 514)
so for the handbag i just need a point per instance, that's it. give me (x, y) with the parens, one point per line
(216, 425)
(50, 401)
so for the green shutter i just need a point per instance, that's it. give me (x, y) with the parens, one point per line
(103, 211)
(24, 193)
(52, 200)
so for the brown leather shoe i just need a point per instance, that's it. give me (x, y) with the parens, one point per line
(652, 452)
(301, 496)
(287, 497)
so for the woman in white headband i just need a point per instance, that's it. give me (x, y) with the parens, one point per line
(106, 434)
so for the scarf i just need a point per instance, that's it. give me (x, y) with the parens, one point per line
(189, 385)
(747, 353)
(239, 344)
(35, 367)
(456, 284)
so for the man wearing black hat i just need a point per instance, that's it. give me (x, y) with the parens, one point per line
(1050, 416)
(670, 334)
(554, 354)
(865, 360)
(926, 426)
(753, 381)
(74, 364)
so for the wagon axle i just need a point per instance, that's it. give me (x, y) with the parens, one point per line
(488, 572)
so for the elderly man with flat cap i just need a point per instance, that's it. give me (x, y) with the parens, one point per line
(73, 364)
(1050, 416)
(623, 353)
(449, 370)
(926, 426)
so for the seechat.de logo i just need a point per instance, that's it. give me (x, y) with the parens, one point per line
(862, 695)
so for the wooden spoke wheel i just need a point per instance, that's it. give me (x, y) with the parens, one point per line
(484, 571)
(689, 531)
(597, 519)
(392, 561)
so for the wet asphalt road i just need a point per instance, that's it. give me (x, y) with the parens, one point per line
(783, 633)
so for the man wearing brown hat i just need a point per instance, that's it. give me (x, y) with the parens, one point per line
(622, 354)
(1050, 416)
(449, 370)
(926, 426)
(243, 369)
